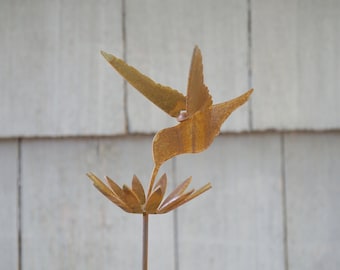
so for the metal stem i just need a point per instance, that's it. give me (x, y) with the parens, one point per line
(145, 240)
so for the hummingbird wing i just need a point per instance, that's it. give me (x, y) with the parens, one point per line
(169, 100)
(220, 112)
(198, 97)
(196, 133)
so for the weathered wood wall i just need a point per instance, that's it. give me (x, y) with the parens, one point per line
(275, 170)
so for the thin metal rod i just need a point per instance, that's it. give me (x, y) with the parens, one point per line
(145, 240)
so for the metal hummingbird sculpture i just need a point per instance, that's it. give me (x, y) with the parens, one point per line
(199, 123)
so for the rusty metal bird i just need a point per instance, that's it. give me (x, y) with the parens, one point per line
(200, 119)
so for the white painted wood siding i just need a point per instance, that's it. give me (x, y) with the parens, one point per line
(296, 64)
(9, 241)
(64, 111)
(313, 189)
(54, 82)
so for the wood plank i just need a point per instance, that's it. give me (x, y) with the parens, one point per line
(238, 224)
(296, 64)
(160, 40)
(313, 202)
(9, 204)
(68, 224)
(57, 82)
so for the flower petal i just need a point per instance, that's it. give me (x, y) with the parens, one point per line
(177, 191)
(116, 188)
(99, 184)
(196, 193)
(131, 200)
(162, 183)
(154, 201)
(138, 189)
(174, 202)
(108, 193)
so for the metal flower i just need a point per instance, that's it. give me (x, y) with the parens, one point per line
(134, 200)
